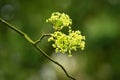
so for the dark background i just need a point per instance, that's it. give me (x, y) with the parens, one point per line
(98, 20)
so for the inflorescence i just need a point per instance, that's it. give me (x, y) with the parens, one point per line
(62, 42)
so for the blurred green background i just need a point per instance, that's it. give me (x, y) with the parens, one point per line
(98, 20)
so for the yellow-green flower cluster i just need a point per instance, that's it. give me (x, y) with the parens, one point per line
(59, 20)
(66, 43)
(62, 42)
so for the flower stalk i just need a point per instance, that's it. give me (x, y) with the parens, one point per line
(34, 43)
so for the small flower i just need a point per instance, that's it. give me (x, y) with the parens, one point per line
(66, 43)
(62, 42)
(59, 20)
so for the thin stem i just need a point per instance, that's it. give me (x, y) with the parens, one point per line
(35, 45)
(12, 27)
(17, 30)
(39, 40)
(48, 57)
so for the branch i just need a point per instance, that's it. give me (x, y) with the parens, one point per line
(39, 40)
(17, 30)
(48, 57)
(34, 43)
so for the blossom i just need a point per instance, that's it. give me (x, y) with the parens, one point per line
(60, 20)
(65, 43)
